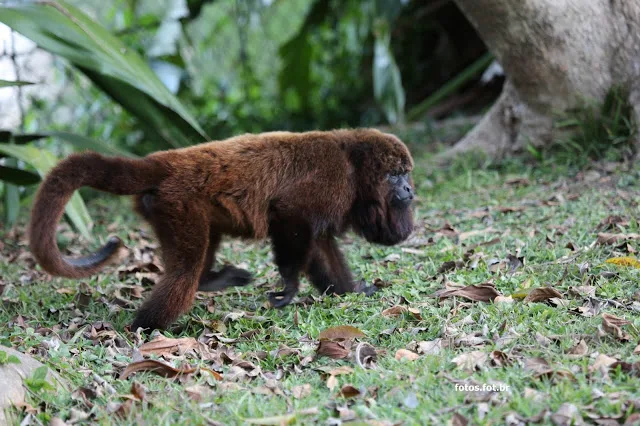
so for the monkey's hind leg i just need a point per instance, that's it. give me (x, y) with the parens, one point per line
(228, 276)
(184, 238)
(291, 242)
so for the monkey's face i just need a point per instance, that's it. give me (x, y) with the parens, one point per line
(400, 191)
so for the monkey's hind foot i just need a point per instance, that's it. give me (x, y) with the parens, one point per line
(228, 276)
(361, 287)
(280, 299)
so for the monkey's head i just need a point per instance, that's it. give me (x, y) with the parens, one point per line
(384, 189)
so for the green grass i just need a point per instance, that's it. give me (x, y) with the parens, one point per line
(559, 206)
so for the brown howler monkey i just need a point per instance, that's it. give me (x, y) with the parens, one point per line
(301, 190)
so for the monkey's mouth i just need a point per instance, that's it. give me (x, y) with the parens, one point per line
(402, 201)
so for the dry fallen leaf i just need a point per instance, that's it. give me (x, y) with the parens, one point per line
(583, 290)
(608, 238)
(542, 294)
(536, 365)
(155, 366)
(471, 361)
(602, 363)
(163, 346)
(284, 419)
(499, 358)
(341, 332)
(484, 292)
(349, 391)
(579, 350)
(503, 299)
(458, 420)
(611, 324)
(301, 391)
(335, 350)
(395, 311)
(406, 355)
(567, 415)
(433, 347)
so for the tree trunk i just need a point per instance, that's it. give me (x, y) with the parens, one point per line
(555, 54)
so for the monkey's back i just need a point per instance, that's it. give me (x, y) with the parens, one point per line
(247, 177)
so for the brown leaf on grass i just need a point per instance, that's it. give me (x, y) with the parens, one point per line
(406, 355)
(341, 332)
(332, 381)
(542, 340)
(611, 325)
(555, 374)
(542, 294)
(608, 238)
(583, 290)
(335, 350)
(471, 361)
(499, 358)
(591, 308)
(283, 419)
(163, 346)
(433, 347)
(612, 222)
(301, 391)
(536, 365)
(196, 392)
(509, 209)
(349, 391)
(567, 415)
(157, 367)
(474, 233)
(138, 391)
(579, 350)
(447, 266)
(515, 262)
(518, 181)
(636, 351)
(602, 363)
(447, 230)
(484, 292)
(458, 420)
(395, 311)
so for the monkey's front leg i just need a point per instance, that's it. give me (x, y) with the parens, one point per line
(291, 242)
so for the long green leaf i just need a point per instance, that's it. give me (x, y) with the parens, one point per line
(65, 31)
(450, 86)
(78, 141)
(18, 176)
(387, 82)
(19, 139)
(5, 83)
(83, 142)
(43, 161)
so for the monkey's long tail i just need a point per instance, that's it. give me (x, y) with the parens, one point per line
(117, 175)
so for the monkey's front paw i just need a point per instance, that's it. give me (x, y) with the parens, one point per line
(280, 299)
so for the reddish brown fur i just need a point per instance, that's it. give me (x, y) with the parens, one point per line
(299, 189)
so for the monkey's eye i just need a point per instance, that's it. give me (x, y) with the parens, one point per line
(393, 178)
